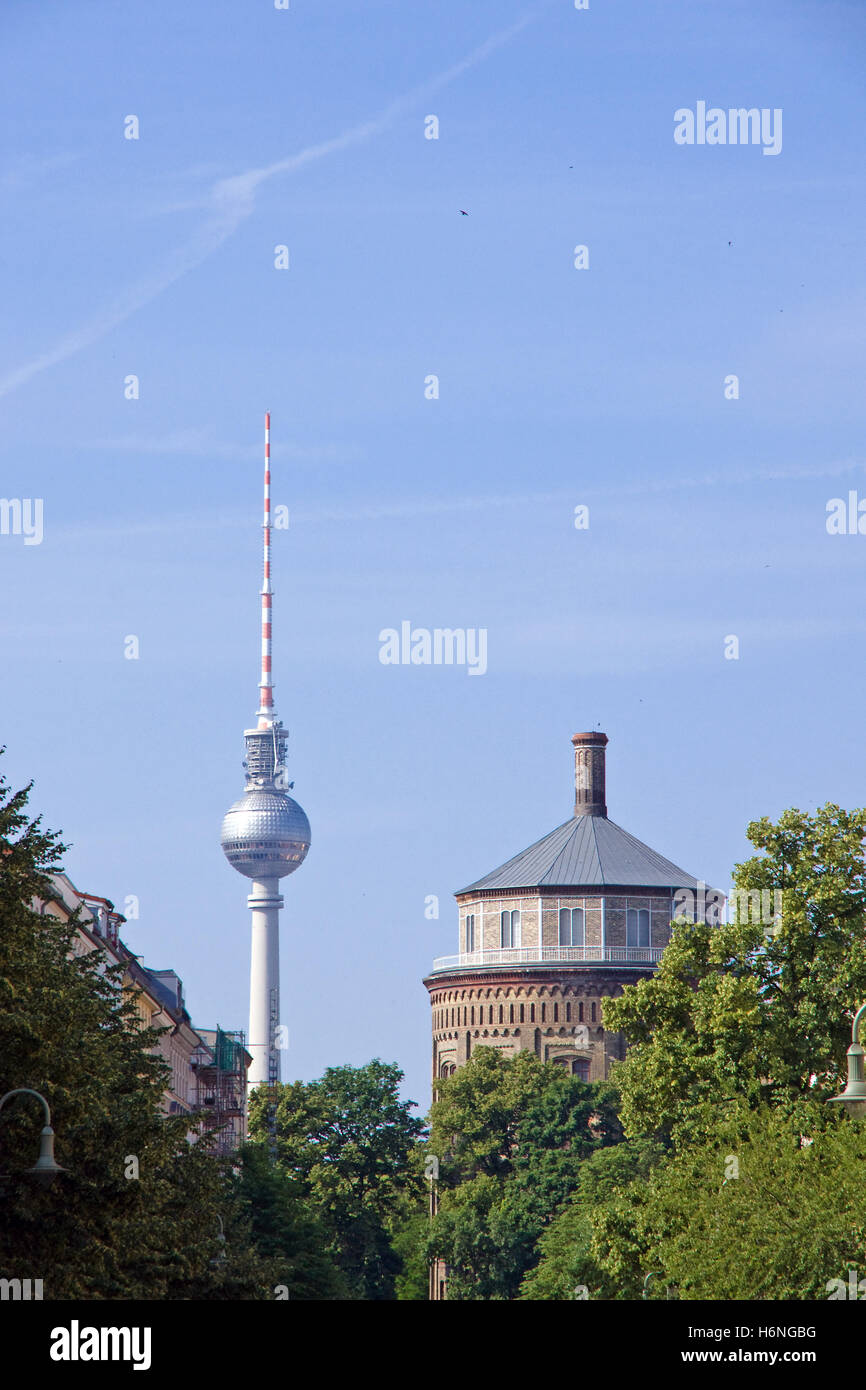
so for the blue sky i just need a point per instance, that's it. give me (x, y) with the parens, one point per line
(558, 387)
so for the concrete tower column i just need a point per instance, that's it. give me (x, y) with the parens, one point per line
(264, 902)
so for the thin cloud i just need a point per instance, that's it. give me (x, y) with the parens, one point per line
(31, 169)
(196, 443)
(232, 201)
(407, 508)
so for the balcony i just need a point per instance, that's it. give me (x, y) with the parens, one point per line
(551, 955)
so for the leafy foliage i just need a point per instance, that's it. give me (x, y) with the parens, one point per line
(67, 1031)
(788, 1223)
(347, 1141)
(511, 1136)
(284, 1230)
(569, 1262)
(742, 1011)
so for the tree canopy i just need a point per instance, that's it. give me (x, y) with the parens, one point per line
(136, 1213)
(756, 1010)
(755, 1187)
(347, 1143)
(511, 1135)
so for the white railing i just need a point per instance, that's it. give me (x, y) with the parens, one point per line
(532, 955)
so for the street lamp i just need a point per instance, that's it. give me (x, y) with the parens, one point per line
(854, 1095)
(45, 1167)
(220, 1257)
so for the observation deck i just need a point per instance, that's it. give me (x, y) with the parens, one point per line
(638, 956)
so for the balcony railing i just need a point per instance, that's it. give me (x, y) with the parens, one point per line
(552, 955)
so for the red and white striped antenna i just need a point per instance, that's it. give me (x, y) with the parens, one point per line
(266, 688)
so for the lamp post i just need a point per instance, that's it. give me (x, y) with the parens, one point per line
(45, 1166)
(854, 1095)
(220, 1257)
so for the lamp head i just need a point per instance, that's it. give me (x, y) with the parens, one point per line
(853, 1098)
(46, 1168)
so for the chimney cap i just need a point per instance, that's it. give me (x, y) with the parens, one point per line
(596, 737)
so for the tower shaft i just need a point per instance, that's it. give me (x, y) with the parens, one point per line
(264, 902)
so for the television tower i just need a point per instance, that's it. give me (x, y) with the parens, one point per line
(265, 836)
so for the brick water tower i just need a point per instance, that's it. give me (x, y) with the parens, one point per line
(552, 932)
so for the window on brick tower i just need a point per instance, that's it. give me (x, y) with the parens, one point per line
(572, 930)
(470, 931)
(638, 926)
(509, 929)
(580, 1068)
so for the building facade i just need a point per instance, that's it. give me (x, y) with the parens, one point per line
(208, 1068)
(550, 934)
(547, 937)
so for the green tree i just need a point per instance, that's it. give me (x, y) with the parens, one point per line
(409, 1225)
(347, 1141)
(751, 1009)
(511, 1136)
(769, 1206)
(568, 1267)
(66, 1031)
(284, 1230)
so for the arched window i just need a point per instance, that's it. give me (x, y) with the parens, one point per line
(556, 1013)
(571, 926)
(637, 926)
(509, 929)
(580, 1013)
(532, 1013)
(510, 1013)
(568, 1013)
(470, 931)
(592, 1013)
(544, 1013)
(491, 1013)
(521, 1014)
(500, 1013)
(472, 1014)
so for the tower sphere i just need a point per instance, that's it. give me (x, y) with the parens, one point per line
(265, 834)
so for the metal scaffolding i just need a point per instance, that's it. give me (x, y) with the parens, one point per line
(220, 1066)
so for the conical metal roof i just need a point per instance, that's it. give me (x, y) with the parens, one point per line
(587, 852)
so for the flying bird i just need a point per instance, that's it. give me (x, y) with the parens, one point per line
(463, 212)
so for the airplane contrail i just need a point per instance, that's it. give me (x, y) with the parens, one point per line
(232, 201)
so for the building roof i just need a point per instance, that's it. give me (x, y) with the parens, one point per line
(587, 852)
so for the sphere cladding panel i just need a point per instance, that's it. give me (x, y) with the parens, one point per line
(265, 835)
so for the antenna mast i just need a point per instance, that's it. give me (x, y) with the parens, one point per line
(266, 690)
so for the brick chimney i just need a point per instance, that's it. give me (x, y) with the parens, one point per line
(589, 774)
